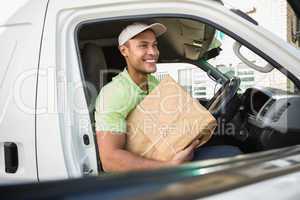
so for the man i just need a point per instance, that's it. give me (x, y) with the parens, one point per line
(138, 45)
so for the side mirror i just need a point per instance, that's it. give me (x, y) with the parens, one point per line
(237, 51)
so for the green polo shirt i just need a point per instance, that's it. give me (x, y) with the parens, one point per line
(117, 99)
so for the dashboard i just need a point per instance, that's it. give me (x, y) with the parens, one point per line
(271, 117)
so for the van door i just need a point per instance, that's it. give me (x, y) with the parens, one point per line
(20, 37)
(65, 142)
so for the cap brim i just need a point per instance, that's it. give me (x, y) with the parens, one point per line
(157, 28)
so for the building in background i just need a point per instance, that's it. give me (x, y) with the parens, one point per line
(293, 27)
(191, 78)
(277, 17)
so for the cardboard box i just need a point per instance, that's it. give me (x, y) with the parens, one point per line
(167, 121)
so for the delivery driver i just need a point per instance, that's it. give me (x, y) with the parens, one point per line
(138, 45)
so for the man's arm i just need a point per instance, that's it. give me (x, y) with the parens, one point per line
(114, 157)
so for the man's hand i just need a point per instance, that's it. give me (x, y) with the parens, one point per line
(186, 154)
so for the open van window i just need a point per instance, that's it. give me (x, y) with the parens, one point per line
(200, 58)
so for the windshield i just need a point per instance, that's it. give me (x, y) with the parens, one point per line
(231, 65)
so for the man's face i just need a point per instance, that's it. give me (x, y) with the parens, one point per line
(141, 52)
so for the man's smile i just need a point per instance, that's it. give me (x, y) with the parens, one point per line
(150, 61)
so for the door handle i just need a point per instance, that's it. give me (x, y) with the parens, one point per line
(11, 157)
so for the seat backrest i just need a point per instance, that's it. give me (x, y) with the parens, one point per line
(94, 67)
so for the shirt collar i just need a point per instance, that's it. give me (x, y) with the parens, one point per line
(126, 75)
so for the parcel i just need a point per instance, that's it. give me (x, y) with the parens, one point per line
(167, 121)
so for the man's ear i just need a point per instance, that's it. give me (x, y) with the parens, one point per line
(124, 50)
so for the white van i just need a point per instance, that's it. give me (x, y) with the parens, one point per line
(51, 53)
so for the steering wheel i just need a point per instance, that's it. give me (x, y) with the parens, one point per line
(221, 104)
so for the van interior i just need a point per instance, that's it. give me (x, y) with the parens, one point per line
(264, 118)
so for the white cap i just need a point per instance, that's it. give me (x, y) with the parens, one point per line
(134, 29)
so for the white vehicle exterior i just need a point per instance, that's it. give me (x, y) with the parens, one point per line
(43, 108)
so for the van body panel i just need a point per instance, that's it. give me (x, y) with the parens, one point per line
(20, 38)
